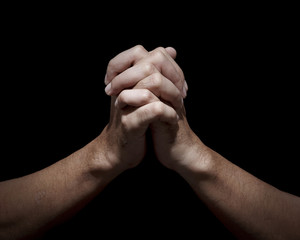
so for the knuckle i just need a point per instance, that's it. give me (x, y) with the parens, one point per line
(138, 49)
(110, 62)
(110, 65)
(121, 97)
(143, 115)
(113, 86)
(178, 100)
(178, 97)
(156, 80)
(178, 81)
(153, 82)
(181, 75)
(146, 95)
(148, 68)
(158, 108)
(161, 49)
(125, 122)
(176, 92)
(158, 53)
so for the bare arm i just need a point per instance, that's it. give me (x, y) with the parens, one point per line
(247, 206)
(31, 204)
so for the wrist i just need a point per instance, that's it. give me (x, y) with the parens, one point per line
(99, 160)
(198, 165)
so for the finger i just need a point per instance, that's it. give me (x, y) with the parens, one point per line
(143, 116)
(167, 66)
(123, 61)
(135, 98)
(162, 88)
(130, 77)
(127, 58)
(171, 51)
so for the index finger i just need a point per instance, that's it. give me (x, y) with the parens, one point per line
(163, 60)
(124, 60)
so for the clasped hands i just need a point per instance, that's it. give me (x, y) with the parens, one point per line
(147, 90)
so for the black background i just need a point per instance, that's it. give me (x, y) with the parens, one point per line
(240, 63)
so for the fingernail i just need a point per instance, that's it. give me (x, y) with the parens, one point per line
(183, 91)
(105, 79)
(186, 86)
(108, 89)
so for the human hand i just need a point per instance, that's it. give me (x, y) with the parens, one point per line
(157, 72)
(132, 65)
(132, 110)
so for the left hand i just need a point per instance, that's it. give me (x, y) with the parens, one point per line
(131, 66)
(173, 143)
(132, 110)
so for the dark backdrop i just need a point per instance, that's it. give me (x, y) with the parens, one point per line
(242, 102)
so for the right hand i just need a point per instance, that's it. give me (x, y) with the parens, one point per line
(174, 143)
(132, 110)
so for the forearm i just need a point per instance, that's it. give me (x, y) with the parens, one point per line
(249, 207)
(31, 204)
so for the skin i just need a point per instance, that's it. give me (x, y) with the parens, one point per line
(147, 89)
(247, 206)
(32, 204)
